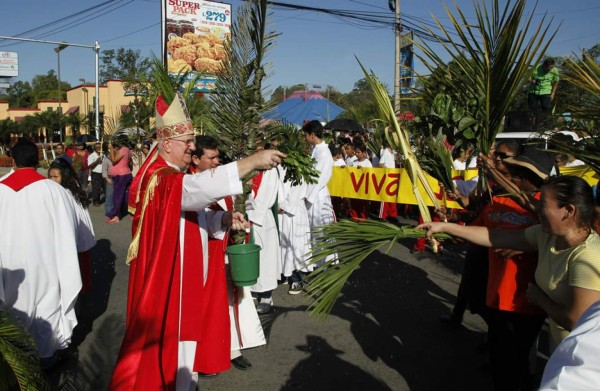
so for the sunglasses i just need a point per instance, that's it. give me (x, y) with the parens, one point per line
(502, 155)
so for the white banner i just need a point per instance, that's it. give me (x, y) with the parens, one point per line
(9, 64)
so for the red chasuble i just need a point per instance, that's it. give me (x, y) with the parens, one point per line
(149, 353)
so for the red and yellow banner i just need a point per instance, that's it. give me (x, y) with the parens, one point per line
(382, 184)
(394, 185)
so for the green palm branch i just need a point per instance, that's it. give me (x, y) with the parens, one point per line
(493, 57)
(298, 164)
(436, 159)
(352, 242)
(19, 360)
(584, 74)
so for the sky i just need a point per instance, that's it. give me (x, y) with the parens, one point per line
(313, 48)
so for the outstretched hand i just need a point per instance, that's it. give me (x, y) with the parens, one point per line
(268, 158)
(262, 160)
(432, 228)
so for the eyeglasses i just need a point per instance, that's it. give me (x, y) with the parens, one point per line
(190, 142)
(502, 155)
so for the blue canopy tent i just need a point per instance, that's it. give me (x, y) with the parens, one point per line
(304, 106)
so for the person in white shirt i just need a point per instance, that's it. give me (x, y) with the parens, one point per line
(338, 158)
(387, 210)
(95, 166)
(359, 209)
(318, 201)
(350, 154)
(575, 364)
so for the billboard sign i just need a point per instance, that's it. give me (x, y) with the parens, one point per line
(9, 64)
(195, 33)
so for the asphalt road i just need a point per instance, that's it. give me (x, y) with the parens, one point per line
(383, 334)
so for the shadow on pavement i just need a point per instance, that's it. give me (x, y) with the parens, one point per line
(323, 368)
(393, 309)
(72, 373)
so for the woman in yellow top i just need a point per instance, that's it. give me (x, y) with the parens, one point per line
(568, 272)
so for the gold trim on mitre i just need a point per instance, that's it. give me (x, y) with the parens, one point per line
(175, 121)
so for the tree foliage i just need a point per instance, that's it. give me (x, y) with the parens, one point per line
(123, 64)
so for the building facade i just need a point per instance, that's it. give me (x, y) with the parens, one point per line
(81, 100)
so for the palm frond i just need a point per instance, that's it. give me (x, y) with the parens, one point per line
(353, 242)
(18, 355)
(584, 74)
(238, 104)
(436, 159)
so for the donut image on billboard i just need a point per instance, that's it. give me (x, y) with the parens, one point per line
(195, 33)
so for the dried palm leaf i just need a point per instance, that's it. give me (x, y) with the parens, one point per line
(399, 137)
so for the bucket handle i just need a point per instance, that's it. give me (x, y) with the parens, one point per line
(252, 232)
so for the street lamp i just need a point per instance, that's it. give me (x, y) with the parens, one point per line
(58, 49)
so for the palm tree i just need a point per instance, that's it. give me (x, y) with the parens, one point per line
(584, 74)
(492, 57)
(238, 104)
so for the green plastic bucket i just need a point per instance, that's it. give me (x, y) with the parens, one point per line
(244, 263)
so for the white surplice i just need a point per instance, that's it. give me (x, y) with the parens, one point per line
(318, 201)
(260, 214)
(39, 267)
(294, 228)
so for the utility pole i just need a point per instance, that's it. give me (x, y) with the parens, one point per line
(397, 32)
(57, 50)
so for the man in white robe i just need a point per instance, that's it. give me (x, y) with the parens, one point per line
(39, 267)
(294, 233)
(259, 207)
(318, 201)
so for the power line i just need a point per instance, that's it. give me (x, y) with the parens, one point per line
(78, 16)
(134, 32)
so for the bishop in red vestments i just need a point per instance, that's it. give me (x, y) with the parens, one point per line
(165, 328)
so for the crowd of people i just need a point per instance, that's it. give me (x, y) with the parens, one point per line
(533, 252)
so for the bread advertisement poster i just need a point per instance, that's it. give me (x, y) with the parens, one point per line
(195, 33)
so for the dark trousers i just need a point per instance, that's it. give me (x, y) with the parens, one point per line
(534, 102)
(120, 194)
(510, 339)
(473, 284)
(82, 179)
(97, 186)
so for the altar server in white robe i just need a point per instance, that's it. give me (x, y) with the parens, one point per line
(259, 207)
(41, 249)
(294, 233)
(318, 201)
